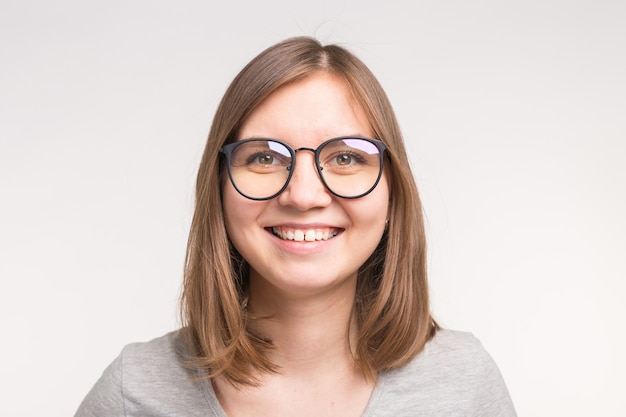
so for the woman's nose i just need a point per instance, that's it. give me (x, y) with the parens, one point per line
(305, 189)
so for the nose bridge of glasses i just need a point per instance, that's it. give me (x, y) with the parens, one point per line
(313, 151)
(306, 176)
(304, 149)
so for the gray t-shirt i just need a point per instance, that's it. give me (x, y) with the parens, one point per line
(452, 376)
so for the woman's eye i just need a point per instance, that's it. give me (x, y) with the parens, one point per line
(344, 159)
(265, 159)
(347, 159)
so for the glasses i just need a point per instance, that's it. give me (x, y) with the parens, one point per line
(260, 169)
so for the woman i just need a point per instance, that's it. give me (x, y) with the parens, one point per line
(305, 286)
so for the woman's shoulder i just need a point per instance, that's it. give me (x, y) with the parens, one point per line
(453, 374)
(148, 378)
(458, 344)
(449, 353)
(160, 353)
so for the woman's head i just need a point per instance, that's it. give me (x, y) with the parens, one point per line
(305, 240)
(392, 297)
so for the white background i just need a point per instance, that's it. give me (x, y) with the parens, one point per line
(513, 113)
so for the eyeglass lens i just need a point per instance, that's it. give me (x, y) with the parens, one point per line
(261, 168)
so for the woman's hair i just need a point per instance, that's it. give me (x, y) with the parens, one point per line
(392, 307)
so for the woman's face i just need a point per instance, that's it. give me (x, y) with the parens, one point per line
(305, 114)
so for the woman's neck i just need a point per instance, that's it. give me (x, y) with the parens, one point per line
(312, 336)
(309, 333)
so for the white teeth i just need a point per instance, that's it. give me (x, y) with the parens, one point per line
(299, 235)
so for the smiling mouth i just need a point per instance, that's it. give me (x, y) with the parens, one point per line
(308, 235)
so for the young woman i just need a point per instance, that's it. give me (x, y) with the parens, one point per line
(305, 288)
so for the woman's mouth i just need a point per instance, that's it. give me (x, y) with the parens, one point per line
(304, 235)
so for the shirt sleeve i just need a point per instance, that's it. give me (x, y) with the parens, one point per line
(106, 397)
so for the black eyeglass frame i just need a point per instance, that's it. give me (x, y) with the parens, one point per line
(228, 149)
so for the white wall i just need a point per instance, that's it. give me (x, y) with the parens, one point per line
(513, 113)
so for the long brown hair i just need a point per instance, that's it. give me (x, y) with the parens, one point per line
(392, 301)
